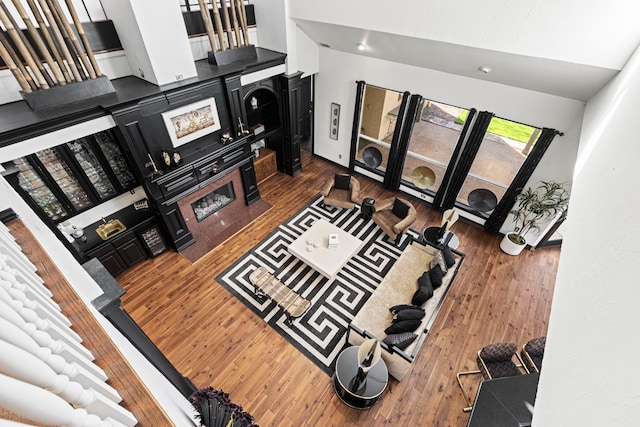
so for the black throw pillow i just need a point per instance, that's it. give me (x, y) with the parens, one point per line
(401, 341)
(435, 274)
(449, 259)
(410, 314)
(403, 326)
(400, 209)
(398, 308)
(422, 295)
(425, 280)
(342, 182)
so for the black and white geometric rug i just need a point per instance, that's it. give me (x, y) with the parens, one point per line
(320, 334)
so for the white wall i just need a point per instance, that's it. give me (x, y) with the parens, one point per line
(590, 365)
(336, 82)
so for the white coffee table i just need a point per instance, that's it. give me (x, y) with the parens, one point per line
(322, 259)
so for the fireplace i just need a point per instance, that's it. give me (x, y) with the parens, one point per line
(213, 201)
(219, 225)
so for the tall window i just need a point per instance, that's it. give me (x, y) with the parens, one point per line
(448, 155)
(436, 132)
(504, 149)
(378, 119)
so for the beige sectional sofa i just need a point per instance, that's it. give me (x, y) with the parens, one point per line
(398, 287)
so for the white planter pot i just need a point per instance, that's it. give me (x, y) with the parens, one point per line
(509, 247)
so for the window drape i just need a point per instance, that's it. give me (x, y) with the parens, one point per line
(462, 160)
(501, 211)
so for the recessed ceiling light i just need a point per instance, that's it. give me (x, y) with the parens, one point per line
(325, 45)
(485, 69)
(362, 46)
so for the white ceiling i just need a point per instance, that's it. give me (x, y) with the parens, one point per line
(556, 77)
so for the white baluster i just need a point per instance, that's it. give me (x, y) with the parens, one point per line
(20, 265)
(29, 297)
(11, 274)
(14, 335)
(43, 311)
(18, 257)
(24, 366)
(11, 248)
(43, 407)
(44, 339)
(25, 310)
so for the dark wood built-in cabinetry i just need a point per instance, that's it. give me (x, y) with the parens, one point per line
(110, 163)
(62, 181)
(129, 248)
(265, 164)
(295, 106)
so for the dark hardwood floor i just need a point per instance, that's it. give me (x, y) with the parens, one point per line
(214, 340)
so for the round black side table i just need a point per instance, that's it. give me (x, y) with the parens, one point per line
(359, 394)
(431, 235)
(367, 208)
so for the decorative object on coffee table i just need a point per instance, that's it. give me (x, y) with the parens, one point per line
(334, 241)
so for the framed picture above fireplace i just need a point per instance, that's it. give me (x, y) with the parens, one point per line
(191, 121)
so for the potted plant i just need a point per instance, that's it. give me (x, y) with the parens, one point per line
(533, 207)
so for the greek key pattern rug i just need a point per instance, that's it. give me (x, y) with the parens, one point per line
(320, 334)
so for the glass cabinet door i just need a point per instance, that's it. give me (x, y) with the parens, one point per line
(64, 177)
(116, 160)
(32, 183)
(88, 161)
(75, 176)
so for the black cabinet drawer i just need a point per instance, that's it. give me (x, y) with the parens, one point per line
(207, 168)
(176, 182)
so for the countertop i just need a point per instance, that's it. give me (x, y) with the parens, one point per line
(129, 216)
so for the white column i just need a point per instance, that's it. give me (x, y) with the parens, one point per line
(155, 39)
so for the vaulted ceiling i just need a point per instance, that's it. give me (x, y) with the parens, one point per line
(561, 50)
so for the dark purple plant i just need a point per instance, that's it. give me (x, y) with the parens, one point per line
(215, 409)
